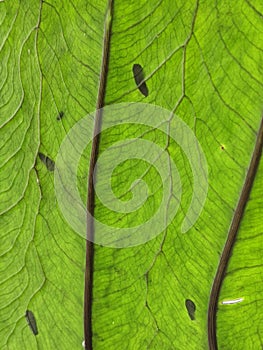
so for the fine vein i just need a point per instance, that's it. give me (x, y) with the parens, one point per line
(212, 308)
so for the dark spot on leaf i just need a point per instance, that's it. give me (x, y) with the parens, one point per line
(190, 306)
(222, 148)
(60, 115)
(49, 163)
(31, 321)
(139, 79)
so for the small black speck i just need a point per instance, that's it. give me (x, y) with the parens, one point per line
(49, 163)
(60, 115)
(42, 157)
(190, 306)
(31, 320)
(139, 79)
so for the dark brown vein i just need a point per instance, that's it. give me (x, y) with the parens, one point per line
(91, 192)
(238, 215)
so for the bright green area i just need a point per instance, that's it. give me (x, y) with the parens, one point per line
(202, 60)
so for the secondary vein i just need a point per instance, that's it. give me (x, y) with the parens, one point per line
(238, 215)
(91, 192)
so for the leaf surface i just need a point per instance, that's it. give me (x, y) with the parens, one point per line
(202, 62)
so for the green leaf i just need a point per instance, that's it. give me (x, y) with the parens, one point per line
(59, 61)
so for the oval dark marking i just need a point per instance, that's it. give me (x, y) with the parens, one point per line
(190, 306)
(31, 321)
(60, 115)
(139, 79)
(49, 163)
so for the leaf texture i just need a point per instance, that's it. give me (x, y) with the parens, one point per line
(203, 63)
